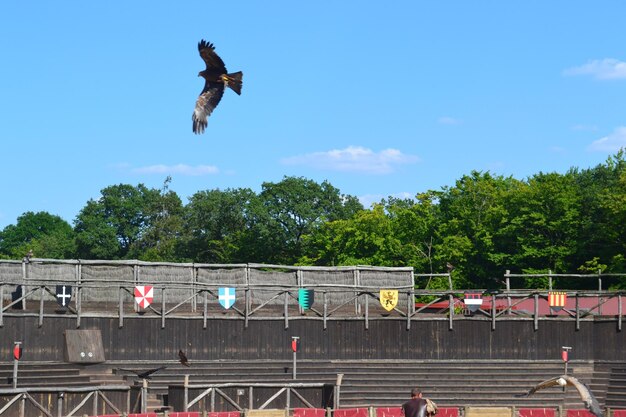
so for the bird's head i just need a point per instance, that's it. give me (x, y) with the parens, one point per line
(562, 382)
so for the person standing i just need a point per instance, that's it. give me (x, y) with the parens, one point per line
(416, 406)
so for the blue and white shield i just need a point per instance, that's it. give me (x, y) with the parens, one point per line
(226, 296)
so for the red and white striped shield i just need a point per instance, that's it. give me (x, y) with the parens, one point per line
(473, 301)
(557, 299)
(144, 295)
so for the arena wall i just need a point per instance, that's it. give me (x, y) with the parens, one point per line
(471, 338)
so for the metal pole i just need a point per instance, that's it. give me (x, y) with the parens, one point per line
(295, 342)
(186, 393)
(60, 404)
(144, 395)
(337, 391)
(16, 358)
(15, 361)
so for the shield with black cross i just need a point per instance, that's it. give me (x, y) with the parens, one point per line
(64, 295)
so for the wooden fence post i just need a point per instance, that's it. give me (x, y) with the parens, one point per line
(186, 393)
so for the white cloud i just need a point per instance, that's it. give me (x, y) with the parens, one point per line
(181, 169)
(585, 128)
(601, 69)
(447, 120)
(353, 159)
(611, 143)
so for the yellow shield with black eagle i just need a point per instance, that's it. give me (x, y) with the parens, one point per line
(389, 299)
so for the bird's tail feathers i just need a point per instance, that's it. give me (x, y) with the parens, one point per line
(234, 81)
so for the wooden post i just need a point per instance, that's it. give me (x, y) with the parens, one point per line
(536, 312)
(367, 311)
(205, 308)
(619, 312)
(60, 404)
(508, 290)
(121, 308)
(357, 281)
(451, 310)
(144, 396)
(550, 279)
(247, 307)
(94, 407)
(325, 296)
(337, 391)
(286, 309)
(410, 306)
(250, 398)
(600, 299)
(1, 305)
(79, 293)
(493, 312)
(23, 405)
(577, 313)
(43, 292)
(163, 308)
(193, 288)
(212, 399)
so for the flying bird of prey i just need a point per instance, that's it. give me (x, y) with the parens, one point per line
(216, 78)
(183, 358)
(590, 401)
(143, 374)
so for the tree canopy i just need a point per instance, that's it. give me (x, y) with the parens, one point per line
(483, 224)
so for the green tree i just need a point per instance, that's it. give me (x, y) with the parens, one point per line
(160, 240)
(611, 209)
(107, 228)
(365, 239)
(286, 211)
(545, 225)
(47, 235)
(473, 213)
(414, 223)
(214, 224)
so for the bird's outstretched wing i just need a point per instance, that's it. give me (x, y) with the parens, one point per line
(210, 58)
(545, 384)
(143, 374)
(591, 403)
(585, 393)
(205, 104)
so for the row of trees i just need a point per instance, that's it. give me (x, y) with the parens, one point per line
(572, 222)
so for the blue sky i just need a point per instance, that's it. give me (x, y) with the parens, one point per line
(378, 97)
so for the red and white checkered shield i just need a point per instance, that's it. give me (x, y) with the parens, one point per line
(144, 295)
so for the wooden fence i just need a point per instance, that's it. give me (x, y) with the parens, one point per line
(271, 292)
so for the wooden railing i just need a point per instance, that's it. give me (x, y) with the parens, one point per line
(270, 292)
(15, 400)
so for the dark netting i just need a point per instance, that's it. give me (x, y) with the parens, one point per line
(267, 283)
(174, 283)
(335, 285)
(377, 280)
(212, 278)
(101, 283)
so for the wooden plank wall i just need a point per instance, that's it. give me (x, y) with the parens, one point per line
(144, 339)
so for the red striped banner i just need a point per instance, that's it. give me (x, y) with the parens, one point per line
(557, 299)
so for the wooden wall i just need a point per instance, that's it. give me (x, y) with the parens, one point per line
(144, 339)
